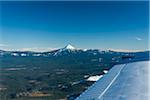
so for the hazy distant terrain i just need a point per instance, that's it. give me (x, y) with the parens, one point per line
(54, 75)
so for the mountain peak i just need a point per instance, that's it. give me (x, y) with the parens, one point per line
(70, 47)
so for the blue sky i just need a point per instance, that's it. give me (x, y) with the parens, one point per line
(48, 25)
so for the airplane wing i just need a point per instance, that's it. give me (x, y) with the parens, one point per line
(123, 82)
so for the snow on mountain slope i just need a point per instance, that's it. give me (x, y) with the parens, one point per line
(67, 48)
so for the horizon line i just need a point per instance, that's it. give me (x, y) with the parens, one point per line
(52, 49)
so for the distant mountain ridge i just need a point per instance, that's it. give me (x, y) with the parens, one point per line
(69, 50)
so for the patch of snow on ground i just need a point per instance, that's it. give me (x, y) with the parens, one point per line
(94, 78)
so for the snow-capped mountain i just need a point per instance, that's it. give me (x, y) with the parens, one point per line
(69, 47)
(65, 50)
